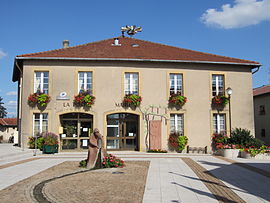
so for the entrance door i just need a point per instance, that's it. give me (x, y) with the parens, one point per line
(77, 128)
(122, 131)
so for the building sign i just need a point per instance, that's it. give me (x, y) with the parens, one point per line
(62, 96)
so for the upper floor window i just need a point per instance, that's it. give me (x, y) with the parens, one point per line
(262, 110)
(176, 83)
(131, 83)
(40, 122)
(177, 123)
(219, 123)
(218, 85)
(85, 81)
(41, 82)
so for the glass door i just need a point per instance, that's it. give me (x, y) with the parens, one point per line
(122, 132)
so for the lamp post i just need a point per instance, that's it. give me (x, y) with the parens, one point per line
(229, 93)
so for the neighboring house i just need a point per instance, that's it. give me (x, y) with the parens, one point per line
(8, 129)
(261, 98)
(112, 68)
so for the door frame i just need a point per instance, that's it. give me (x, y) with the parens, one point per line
(139, 137)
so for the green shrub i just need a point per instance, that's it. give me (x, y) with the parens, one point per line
(83, 163)
(182, 142)
(40, 142)
(244, 138)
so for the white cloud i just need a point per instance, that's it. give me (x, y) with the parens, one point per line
(243, 13)
(2, 54)
(12, 93)
(12, 103)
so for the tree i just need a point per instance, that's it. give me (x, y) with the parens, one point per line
(3, 112)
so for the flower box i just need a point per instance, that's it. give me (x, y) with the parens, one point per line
(84, 99)
(39, 99)
(219, 101)
(177, 100)
(132, 100)
(50, 149)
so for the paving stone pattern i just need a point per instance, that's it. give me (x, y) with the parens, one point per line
(217, 187)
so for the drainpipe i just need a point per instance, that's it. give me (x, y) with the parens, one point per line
(20, 138)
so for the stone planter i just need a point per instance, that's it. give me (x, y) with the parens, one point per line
(245, 155)
(265, 156)
(50, 149)
(229, 153)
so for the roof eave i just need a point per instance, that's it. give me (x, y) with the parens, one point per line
(130, 59)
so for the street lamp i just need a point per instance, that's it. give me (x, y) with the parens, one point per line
(229, 93)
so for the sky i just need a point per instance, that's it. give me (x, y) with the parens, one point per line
(235, 28)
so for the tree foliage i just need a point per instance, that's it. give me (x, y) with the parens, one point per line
(3, 112)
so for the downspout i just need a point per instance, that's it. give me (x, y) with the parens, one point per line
(20, 140)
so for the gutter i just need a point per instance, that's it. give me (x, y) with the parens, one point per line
(142, 60)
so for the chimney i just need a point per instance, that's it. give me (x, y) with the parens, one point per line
(65, 43)
(116, 42)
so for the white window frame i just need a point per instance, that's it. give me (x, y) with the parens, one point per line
(176, 123)
(41, 81)
(216, 79)
(175, 82)
(40, 121)
(85, 81)
(217, 117)
(132, 87)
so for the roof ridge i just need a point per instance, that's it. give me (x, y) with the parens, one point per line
(53, 50)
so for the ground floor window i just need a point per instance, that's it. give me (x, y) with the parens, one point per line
(219, 123)
(77, 127)
(177, 123)
(40, 123)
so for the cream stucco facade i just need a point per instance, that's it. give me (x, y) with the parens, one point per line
(108, 88)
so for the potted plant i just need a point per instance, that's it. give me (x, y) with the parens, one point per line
(84, 99)
(50, 145)
(177, 100)
(132, 100)
(220, 101)
(39, 98)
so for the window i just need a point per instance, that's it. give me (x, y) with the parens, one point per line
(263, 132)
(40, 122)
(218, 85)
(176, 83)
(85, 81)
(177, 123)
(131, 83)
(262, 110)
(219, 123)
(41, 82)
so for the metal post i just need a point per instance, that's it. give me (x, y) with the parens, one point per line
(230, 115)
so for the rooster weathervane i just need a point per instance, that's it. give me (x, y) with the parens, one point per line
(131, 30)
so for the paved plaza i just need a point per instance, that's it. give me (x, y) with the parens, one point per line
(171, 177)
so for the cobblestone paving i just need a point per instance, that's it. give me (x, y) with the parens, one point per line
(216, 186)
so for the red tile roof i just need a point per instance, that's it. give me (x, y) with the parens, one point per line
(261, 90)
(134, 49)
(8, 121)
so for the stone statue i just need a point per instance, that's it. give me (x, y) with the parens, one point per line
(95, 152)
